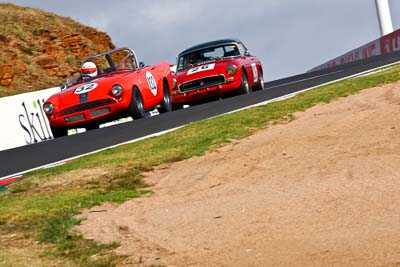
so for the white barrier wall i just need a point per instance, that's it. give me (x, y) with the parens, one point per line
(22, 119)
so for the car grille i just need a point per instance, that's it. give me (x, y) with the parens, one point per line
(86, 106)
(75, 118)
(202, 83)
(99, 112)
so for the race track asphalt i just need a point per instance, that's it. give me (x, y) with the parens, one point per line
(17, 160)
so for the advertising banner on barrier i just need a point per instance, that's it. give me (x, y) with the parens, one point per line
(390, 43)
(386, 44)
(364, 52)
(22, 119)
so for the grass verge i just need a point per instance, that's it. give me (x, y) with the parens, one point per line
(37, 212)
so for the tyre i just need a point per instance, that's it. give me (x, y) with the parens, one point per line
(244, 85)
(58, 131)
(166, 105)
(136, 107)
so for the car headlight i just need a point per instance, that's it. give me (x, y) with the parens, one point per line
(48, 108)
(231, 69)
(117, 90)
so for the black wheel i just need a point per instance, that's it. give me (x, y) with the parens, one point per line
(136, 107)
(59, 131)
(260, 85)
(244, 86)
(166, 105)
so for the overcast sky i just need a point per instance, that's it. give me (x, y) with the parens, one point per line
(289, 36)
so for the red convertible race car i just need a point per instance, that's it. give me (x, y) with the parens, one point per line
(112, 85)
(215, 69)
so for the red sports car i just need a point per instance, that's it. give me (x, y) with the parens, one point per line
(112, 85)
(214, 69)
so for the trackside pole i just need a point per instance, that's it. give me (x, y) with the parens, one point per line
(384, 16)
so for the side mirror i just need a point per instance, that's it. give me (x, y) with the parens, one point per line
(141, 64)
(247, 54)
(62, 86)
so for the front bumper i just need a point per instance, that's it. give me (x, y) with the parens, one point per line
(204, 93)
(82, 115)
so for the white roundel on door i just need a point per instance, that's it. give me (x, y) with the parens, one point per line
(152, 83)
(255, 72)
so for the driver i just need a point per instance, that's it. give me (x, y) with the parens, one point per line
(194, 58)
(89, 69)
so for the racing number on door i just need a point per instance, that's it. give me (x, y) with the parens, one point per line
(152, 83)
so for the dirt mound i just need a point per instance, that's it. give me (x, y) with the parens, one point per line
(322, 190)
(40, 49)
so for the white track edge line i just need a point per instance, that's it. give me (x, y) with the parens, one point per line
(371, 71)
(61, 162)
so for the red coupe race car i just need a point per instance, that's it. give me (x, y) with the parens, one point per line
(215, 69)
(112, 85)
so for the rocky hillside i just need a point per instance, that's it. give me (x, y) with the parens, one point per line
(40, 49)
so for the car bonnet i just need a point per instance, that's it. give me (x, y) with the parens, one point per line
(205, 69)
(97, 88)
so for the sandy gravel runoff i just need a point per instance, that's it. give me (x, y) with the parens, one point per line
(322, 190)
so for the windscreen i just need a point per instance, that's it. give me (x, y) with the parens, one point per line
(116, 60)
(207, 54)
(108, 62)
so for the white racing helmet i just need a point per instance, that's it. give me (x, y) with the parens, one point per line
(89, 69)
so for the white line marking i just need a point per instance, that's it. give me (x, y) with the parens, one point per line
(52, 165)
(61, 162)
(364, 73)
